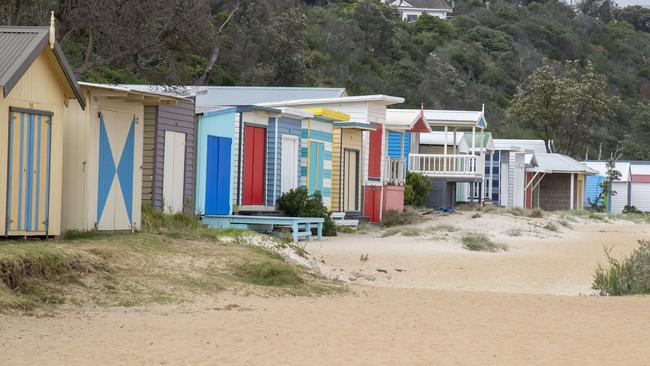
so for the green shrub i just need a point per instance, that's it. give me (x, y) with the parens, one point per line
(631, 209)
(298, 203)
(629, 276)
(396, 218)
(269, 273)
(481, 242)
(514, 232)
(417, 189)
(550, 227)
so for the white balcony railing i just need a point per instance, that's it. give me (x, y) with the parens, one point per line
(395, 171)
(447, 166)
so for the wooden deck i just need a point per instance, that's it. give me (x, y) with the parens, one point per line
(300, 226)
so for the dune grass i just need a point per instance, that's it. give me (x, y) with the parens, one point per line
(481, 243)
(173, 259)
(629, 276)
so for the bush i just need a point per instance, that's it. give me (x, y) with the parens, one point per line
(396, 218)
(481, 242)
(631, 209)
(417, 189)
(631, 276)
(298, 203)
(270, 273)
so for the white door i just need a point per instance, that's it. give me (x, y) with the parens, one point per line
(289, 179)
(503, 183)
(174, 172)
(520, 181)
(619, 200)
(640, 197)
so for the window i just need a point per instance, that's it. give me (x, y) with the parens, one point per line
(411, 17)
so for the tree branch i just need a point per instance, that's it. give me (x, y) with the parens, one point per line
(214, 55)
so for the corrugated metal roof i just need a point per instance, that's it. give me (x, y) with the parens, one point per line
(535, 146)
(20, 47)
(437, 118)
(558, 163)
(125, 88)
(639, 169)
(245, 95)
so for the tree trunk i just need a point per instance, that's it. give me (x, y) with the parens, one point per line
(13, 15)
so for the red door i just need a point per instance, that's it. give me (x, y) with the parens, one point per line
(374, 152)
(372, 203)
(529, 191)
(254, 158)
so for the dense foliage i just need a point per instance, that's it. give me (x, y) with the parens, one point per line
(298, 203)
(631, 276)
(416, 189)
(484, 54)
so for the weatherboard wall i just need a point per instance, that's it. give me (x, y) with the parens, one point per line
(316, 157)
(284, 126)
(157, 120)
(40, 88)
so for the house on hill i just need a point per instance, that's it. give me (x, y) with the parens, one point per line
(410, 10)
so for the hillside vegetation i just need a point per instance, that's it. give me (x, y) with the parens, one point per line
(483, 55)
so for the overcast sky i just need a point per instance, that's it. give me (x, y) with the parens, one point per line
(623, 3)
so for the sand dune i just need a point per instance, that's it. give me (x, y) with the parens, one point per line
(450, 307)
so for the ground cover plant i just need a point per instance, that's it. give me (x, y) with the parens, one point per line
(480, 242)
(629, 276)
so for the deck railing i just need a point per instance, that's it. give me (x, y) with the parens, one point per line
(395, 171)
(445, 165)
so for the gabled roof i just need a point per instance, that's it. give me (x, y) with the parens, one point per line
(450, 118)
(535, 146)
(407, 119)
(488, 143)
(20, 47)
(558, 163)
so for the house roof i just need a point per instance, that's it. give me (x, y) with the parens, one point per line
(384, 99)
(438, 138)
(488, 143)
(20, 47)
(639, 169)
(221, 110)
(329, 114)
(422, 4)
(148, 97)
(601, 167)
(407, 119)
(244, 95)
(535, 146)
(450, 118)
(562, 164)
(295, 113)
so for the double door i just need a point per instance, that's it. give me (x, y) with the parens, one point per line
(28, 185)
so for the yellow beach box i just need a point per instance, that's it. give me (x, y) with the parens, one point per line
(38, 87)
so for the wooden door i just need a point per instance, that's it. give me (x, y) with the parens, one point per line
(351, 180)
(316, 167)
(289, 161)
(217, 185)
(28, 185)
(116, 170)
(372, 203)
(254, 162)
(174, 172)
(374, 152)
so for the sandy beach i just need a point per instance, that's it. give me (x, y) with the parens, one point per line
(530, 305)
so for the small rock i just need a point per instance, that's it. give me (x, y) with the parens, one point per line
(382, 270)
(369, 277)
(352, 278)
(400, 270)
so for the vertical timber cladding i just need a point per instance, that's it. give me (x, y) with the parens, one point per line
(115, 206)
(28, 183)
(316, 157)
(254, 156)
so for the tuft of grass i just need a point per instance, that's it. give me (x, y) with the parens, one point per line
(630, 276)
(516, 211)
(410, 216)
(275, 273)
(403, 230)
(536, 213)
(564, 223)
(346, 229)
(481, 242)
(514, 232)
(363, 258)
(550, 227)
(476, 216)
(445, 228)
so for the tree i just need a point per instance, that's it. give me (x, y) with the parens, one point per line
(638, 16)
(636, 144)
(564, 107)
(601, 9)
